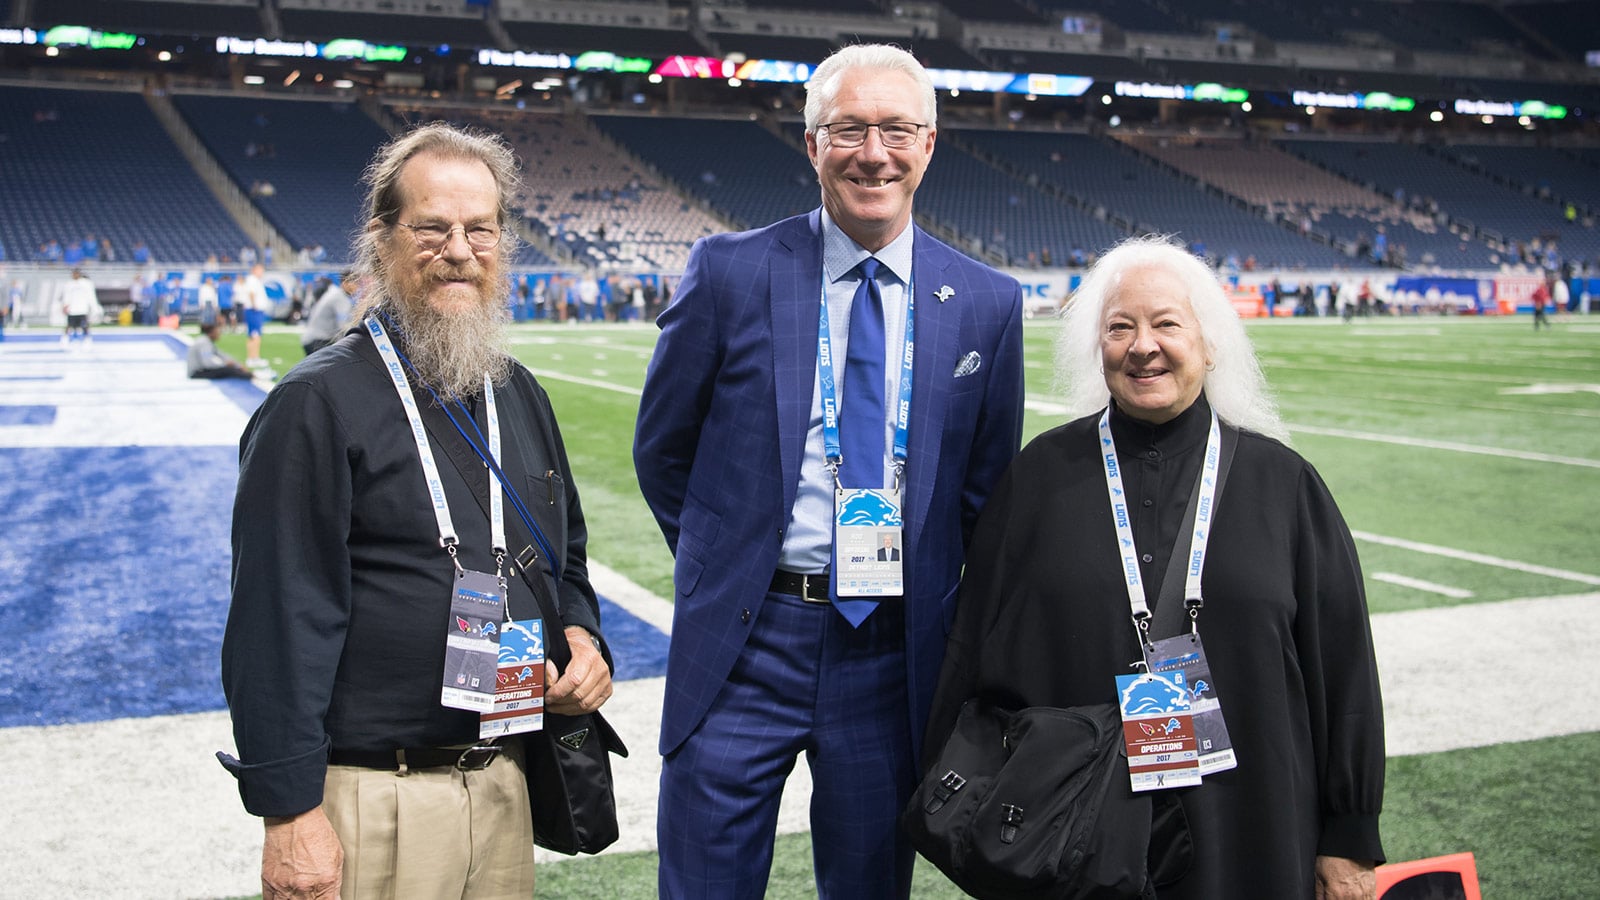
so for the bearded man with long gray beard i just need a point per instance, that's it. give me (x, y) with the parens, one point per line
(403, 494)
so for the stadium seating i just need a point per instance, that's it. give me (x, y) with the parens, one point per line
(585, 195)
(1409, 173)
(387, 28)
(311, 153)
(741, 169)
(560, 37)
(1127, 15)
(97, 162)
(1148, 198)
(1549, 171)
(147, 17)
(1002, 213)
(1570, 27)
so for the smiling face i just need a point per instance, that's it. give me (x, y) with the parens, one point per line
(446, 192)
(1151, 348)
(867, 190)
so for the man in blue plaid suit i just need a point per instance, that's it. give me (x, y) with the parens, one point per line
(764, 664)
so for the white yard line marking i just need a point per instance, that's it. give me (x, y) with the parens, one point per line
(1419, 584)
(590, 382)
(1480, 558)
(640, 603)
(1526, 455)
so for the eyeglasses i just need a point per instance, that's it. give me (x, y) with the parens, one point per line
(431, 236)
(895, 135)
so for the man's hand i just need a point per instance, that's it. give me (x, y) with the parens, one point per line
(1345, 879)
(301, 858)
(587, 682)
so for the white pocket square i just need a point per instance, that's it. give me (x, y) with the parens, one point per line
(968, 364)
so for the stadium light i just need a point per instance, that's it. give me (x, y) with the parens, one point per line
(291, 78)
(1436, 116)
(655, 78)
(164, 56)
(1245, 106)
(1105, 99)
(1487, 120)
(52, 51)
(1311, 110)
(734, 82)
(255, 79)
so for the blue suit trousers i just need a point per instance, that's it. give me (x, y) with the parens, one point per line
(805, 682)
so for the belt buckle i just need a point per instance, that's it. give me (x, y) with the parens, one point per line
(478, 757)
(805, 589)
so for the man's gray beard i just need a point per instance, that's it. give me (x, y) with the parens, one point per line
(453, 353)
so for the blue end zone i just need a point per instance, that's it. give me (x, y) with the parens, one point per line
(27, 415)
(114, 585)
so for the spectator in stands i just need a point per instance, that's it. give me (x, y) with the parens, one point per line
(335, 649)
(767, 659)
(90, 248)
(330, 314)
(107, 252)
(141, 253)
(251, 299)
(1161, 377)
(206, 361)
(78, 302)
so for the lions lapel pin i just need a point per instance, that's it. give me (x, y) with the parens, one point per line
(944, 293)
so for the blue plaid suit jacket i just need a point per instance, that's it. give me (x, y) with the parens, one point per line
(722, 426)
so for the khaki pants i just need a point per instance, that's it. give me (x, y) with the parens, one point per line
(434, 833)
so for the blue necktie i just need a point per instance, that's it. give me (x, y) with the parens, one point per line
(861, 412)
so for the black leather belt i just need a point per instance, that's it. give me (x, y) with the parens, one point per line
(468, 759)
(810, 588)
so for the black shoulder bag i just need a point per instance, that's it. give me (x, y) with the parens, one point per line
(568, 764)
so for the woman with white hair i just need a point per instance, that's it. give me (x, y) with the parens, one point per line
(1175, 456)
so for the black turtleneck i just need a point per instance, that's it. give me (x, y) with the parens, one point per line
(1160, 465)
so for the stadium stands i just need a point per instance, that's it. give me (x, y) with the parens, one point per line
(1504, 216)
(1100, 176)
(583, 194)
(1548, 171)
(311, 153)
(147, 17)
(387, 28)
(1127, 15)
(653, 42)
(1003, 214)
(77, 163)
(1568, 27)
(741, 169)
(771, 46)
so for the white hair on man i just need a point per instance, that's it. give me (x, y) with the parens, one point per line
(1234, 385)
(824, 83)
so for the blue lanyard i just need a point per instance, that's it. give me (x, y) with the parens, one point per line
(489, 459)
(830, 394)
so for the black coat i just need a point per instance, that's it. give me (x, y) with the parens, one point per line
(1043, 620)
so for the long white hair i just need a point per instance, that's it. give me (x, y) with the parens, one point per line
(1233, 385)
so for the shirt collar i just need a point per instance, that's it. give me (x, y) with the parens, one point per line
(841, 254)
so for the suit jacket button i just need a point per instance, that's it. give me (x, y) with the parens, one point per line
(744, 616)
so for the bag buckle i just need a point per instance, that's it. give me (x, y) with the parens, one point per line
(1010, 822)
(946, 788)
(478, 757)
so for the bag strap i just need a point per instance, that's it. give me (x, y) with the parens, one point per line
(1168, 616)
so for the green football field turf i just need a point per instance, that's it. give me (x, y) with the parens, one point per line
(1462, 451)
